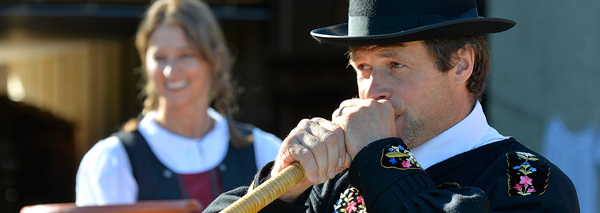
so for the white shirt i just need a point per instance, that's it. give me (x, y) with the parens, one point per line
(470, 133)
(105, 176)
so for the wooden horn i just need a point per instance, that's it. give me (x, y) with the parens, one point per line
(268, 191)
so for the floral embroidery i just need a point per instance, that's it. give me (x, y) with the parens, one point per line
(397, 156)
(527, 174)
(406, 164)
(351, 201)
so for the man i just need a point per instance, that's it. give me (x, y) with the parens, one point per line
(421, 67)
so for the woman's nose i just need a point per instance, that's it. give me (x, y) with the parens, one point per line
(167, 70)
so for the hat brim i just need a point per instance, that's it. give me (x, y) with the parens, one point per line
(338, 34)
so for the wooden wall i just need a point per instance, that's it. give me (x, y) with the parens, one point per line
(76, 80)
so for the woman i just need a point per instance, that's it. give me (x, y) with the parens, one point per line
(181, 148)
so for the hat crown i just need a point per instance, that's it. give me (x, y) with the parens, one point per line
(447, 8)
(376, 17)
(380, 22)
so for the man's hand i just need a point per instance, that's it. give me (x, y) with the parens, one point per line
(365, 121)
(318, 145)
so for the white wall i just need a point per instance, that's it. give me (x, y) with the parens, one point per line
(547, 65)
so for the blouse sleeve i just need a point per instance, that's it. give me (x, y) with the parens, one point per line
(266, 147)
(104, 176)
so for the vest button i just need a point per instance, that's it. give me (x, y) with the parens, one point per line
(167, 174)
(223, 167)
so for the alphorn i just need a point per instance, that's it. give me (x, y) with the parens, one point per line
(268, 191)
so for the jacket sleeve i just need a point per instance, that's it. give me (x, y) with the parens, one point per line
(527, 182)
(226, 199)
(391, 180)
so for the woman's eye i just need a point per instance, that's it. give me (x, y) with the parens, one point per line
(397, 65)
(159, 58)
(186, 55)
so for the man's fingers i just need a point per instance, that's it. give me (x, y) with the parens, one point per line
(337, 149)
(348, 161)
(298, 152)
(334, 138)
(317, 139)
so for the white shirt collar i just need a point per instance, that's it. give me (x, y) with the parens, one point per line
(187, 155)
(472, 132)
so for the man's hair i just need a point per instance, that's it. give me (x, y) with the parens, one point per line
(444, 52)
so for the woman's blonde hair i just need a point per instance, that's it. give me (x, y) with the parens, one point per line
(206, 38)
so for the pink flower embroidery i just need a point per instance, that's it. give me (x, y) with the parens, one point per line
(351, 207)
(360, 199)
(518, 187)
(526, 181)
(405, 164)
(531, 190)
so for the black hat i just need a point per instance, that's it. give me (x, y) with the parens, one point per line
(379, 22)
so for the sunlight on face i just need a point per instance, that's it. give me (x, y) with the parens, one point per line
(406, 76)
(180, 75)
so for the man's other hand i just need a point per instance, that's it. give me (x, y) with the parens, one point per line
(365, 121)
(318, 145)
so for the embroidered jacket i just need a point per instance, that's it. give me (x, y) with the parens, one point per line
(504, 176)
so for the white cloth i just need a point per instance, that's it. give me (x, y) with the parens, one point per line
(105, 176)
(472, 132)
(574, 153)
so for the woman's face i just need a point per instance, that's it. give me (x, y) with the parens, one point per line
(181, 76)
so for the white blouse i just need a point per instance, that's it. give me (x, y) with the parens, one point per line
(105, 176)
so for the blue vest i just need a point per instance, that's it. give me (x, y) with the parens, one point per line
(156, 182)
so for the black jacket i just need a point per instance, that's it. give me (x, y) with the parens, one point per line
(504, 176)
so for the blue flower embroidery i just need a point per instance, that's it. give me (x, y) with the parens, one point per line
(390, 149)
(393, 161)
(401, 148)
(523, 178)
(351, 201)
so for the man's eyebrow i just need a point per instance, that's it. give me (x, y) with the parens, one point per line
(353, 57)
(388, 53)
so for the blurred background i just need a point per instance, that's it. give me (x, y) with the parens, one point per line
(69, 76)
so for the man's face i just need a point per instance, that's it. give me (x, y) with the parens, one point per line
(406, 76)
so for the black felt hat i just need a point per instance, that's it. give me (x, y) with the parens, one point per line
(378, 22)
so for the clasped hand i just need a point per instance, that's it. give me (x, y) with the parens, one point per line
(325, 148)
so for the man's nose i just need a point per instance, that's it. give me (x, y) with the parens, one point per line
(377, 87)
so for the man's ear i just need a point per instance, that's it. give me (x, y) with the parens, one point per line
(464, 64)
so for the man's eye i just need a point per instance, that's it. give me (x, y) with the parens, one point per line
(364, 67)
(397, 65)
